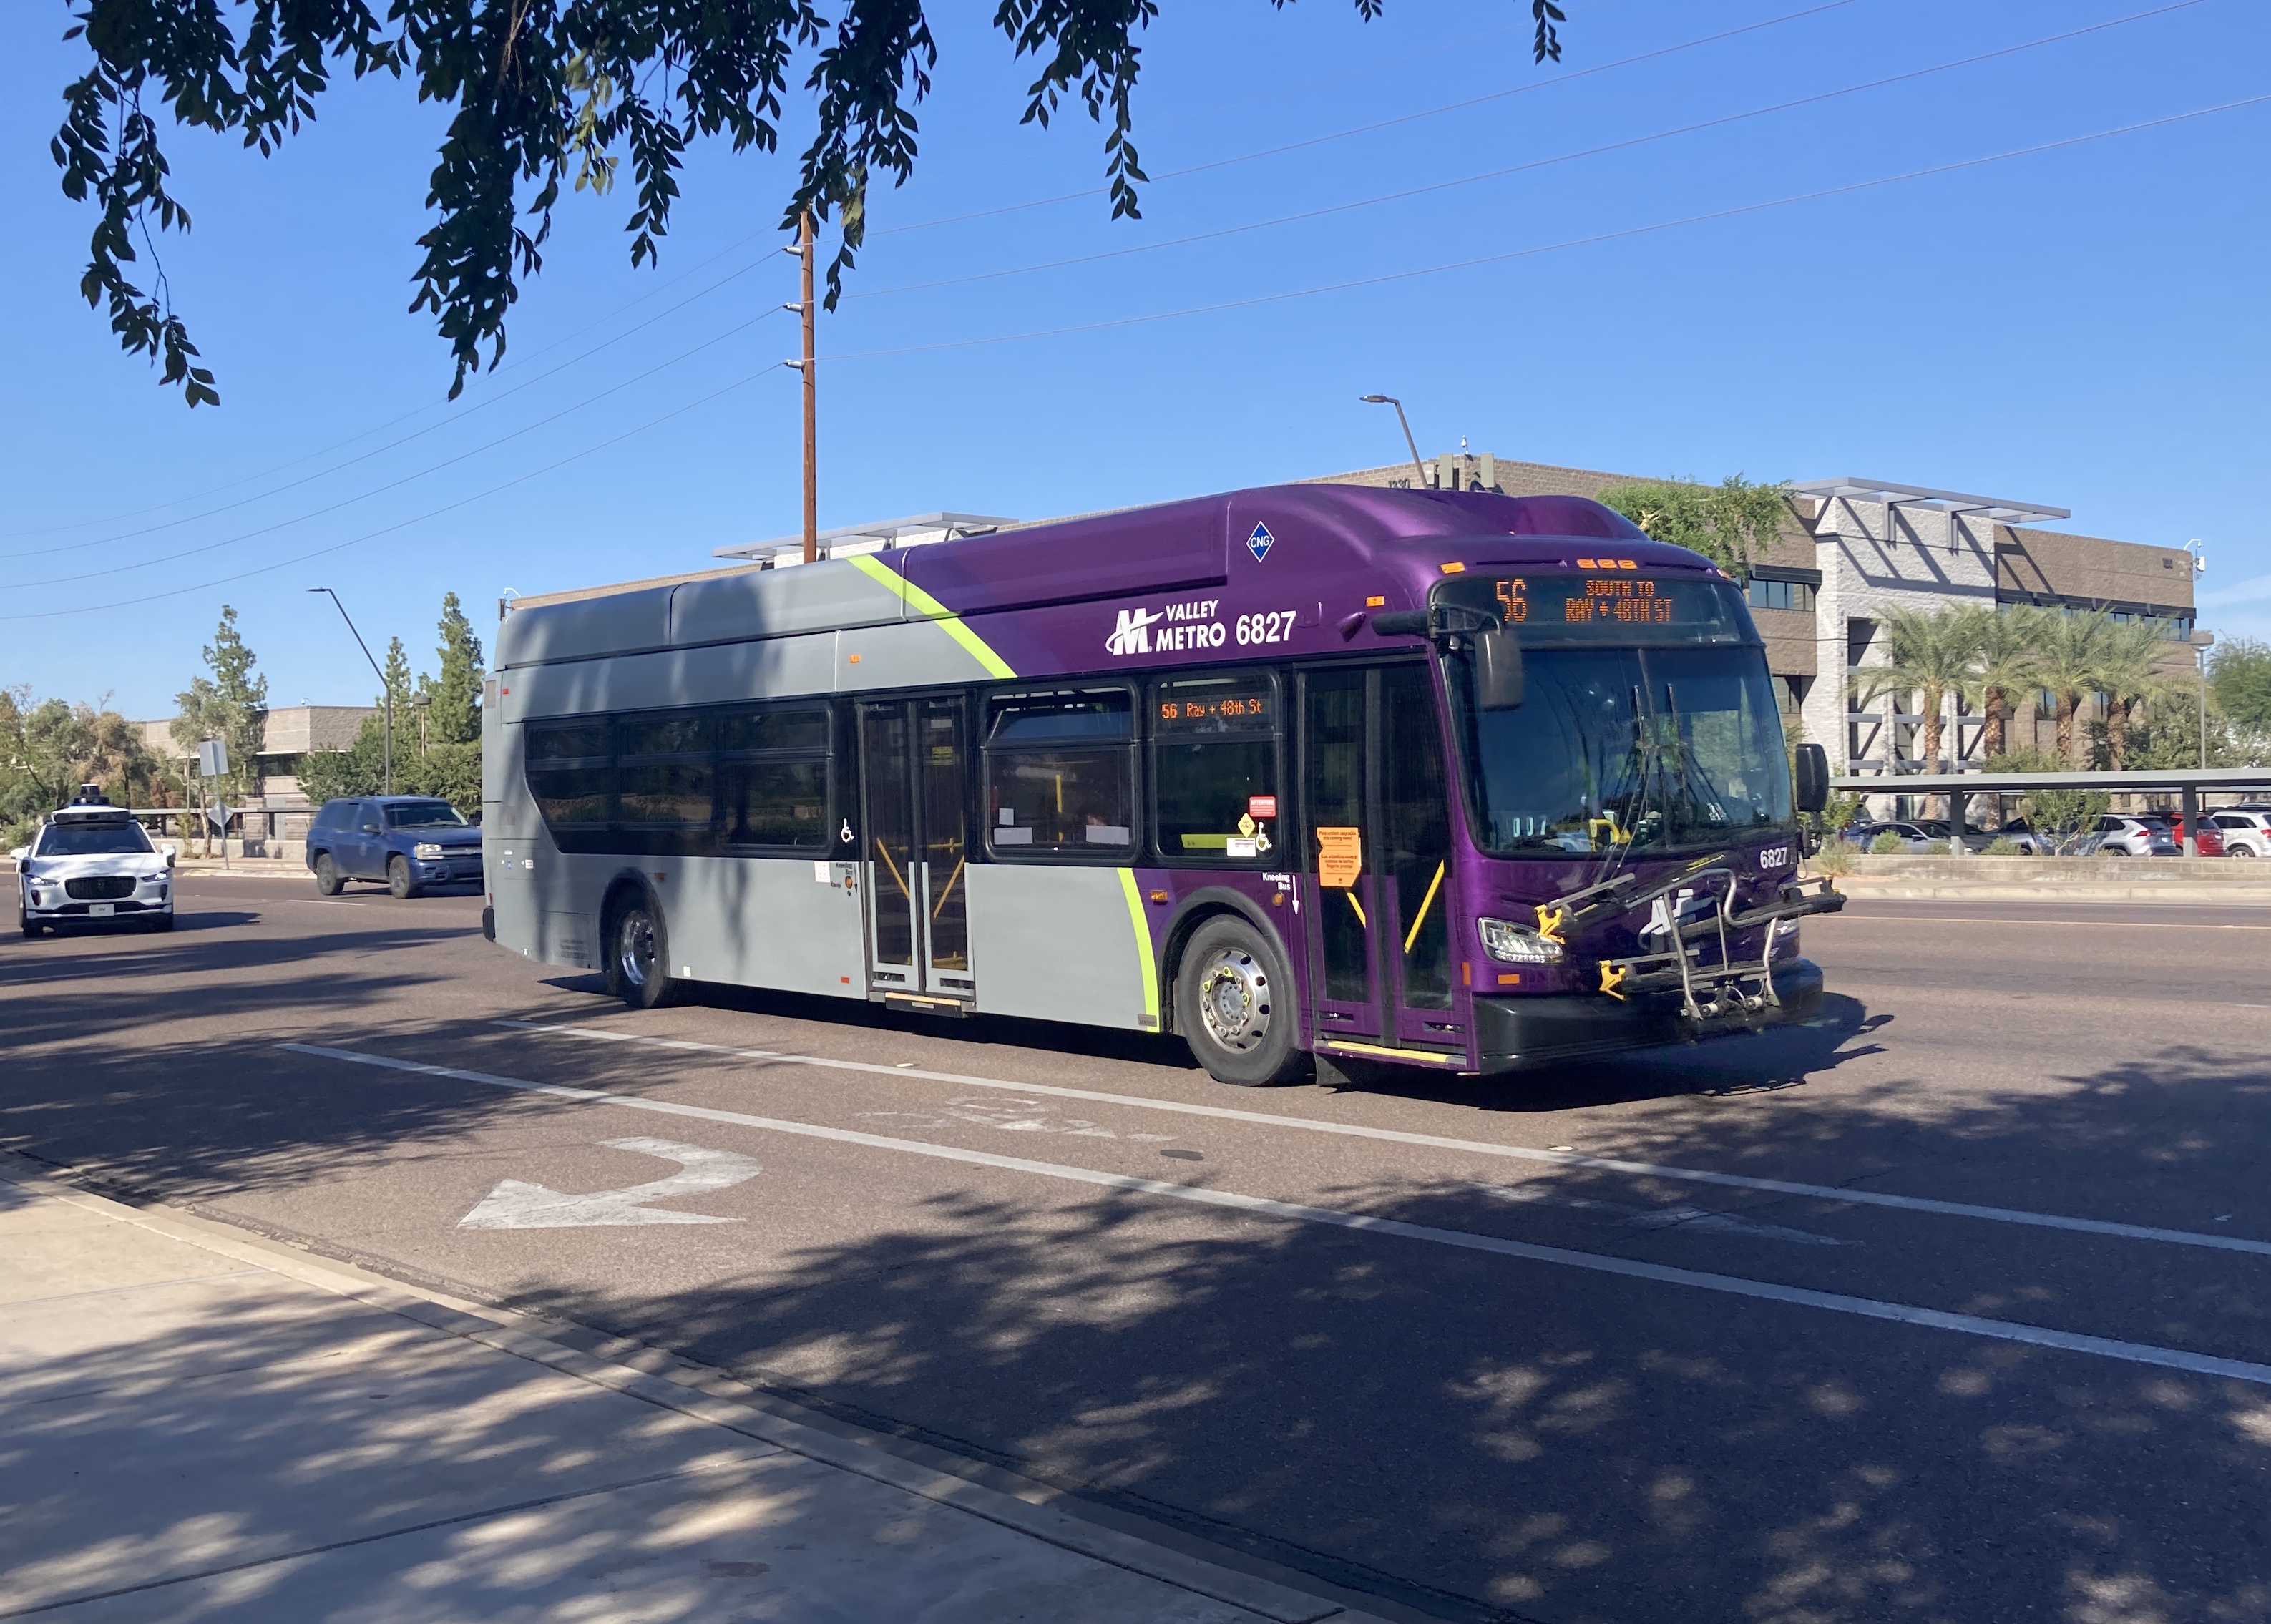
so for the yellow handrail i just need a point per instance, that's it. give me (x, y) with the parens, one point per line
(1425, 903)
(948, 890)
(885, 852)
(1353, 903)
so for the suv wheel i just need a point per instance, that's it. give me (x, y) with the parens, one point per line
(637, 955)
(1235, 1007)
(327, 874)
(397, 876)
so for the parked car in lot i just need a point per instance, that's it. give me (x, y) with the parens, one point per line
(406, 842)
(1863, 833)
(92, 864)
(2211, 838)
(2245, 833)
(2021, 834)
(2120, 834)
(1975, 839)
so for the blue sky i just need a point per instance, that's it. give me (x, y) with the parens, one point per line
(2083, 326)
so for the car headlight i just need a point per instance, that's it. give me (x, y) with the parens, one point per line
(1517, 944)
(430, 851)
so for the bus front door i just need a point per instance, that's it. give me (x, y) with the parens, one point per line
(1377, 865)
(913, 756)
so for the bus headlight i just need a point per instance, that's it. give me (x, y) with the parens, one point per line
(1517, 944)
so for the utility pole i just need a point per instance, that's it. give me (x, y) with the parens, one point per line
(803, 307)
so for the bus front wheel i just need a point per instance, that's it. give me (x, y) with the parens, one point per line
(637, 954)
(1235, 1007)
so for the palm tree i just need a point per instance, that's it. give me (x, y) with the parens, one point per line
(2003, 663)
(2070, 650)
(1932, 651)
(2129, 672)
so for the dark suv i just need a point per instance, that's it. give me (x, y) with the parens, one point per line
(409, 842)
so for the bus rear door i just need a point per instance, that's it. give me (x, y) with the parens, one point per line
(913, 771)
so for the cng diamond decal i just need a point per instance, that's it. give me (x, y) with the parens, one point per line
(1259, 542)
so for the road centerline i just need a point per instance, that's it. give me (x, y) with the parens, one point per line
(1835, 1302)
(1518, 1152)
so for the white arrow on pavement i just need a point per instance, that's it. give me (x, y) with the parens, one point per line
(514, 1204)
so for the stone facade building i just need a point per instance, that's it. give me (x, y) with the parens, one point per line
(281, 812)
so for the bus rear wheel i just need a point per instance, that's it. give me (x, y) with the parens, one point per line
(1235, 1007)
(637, 954)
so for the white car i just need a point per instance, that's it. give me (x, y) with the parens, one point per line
(2245, 833)
(93, 864)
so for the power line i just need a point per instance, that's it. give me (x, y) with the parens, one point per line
(284, 523)
(509, 368)
(1385, 123)
(530, 383)
(1547, 247)
(1523, 169)
(372, 535)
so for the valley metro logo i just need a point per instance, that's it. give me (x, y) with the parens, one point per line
(1132, 635)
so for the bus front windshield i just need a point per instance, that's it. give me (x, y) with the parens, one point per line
(1627, 749)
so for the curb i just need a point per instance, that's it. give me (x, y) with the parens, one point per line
(1029, 1508)
(1868, 888)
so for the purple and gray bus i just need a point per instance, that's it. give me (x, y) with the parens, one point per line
(1459, 781)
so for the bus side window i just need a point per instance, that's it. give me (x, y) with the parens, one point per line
(571, 774)
(663, 772)
(772, 778)
(1214, 769)
(1061, 774)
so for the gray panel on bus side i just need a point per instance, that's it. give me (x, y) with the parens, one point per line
(775, 667)
(765, 921)
(1056, 943)
(772, 603)
(915, 654)
(608, 624)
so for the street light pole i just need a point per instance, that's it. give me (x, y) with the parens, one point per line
(386, 768)
(1419, 474)
(2199, 552)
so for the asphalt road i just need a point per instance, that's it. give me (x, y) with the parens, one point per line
(2003, 1352)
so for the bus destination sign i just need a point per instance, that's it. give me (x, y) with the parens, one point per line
(1603, 599)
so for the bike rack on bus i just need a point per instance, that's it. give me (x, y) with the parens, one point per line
(1678, 966)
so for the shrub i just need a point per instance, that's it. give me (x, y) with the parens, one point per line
(2003, 846)
(1935, 848)
(1887, 845)
(1836, 857)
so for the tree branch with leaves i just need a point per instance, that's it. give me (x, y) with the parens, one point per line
(546, 94)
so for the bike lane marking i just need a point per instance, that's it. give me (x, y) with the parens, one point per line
(1518, 1152)
(1834, 1302)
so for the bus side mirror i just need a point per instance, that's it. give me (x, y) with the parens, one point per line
(1498, 670)
(1810, 786)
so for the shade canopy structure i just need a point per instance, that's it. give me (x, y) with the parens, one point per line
(885, 533)
(2001, 510)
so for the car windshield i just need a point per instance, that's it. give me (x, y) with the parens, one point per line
(1646, 749)
(424, 814)
(94, 840)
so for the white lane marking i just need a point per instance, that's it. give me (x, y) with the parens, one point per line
(325, 902)
(1835, 1302)
(1015, 1116)
(1690, 1219)
(515, 1205)
(1517, 1152)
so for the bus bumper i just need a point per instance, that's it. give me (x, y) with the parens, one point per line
(1520, 1034)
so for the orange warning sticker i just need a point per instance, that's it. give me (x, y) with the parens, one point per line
(1340, 857)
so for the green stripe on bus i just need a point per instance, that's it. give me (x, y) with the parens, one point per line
(1143, 948)
(930, 608)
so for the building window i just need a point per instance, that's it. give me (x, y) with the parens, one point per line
(2046, 704)
(1214, 768)
(1764, 594)
(1060, 773)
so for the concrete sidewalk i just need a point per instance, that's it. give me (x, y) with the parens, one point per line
(199, 1424)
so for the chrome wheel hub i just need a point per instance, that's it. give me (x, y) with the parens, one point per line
(1234, 999)
(635, 949)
